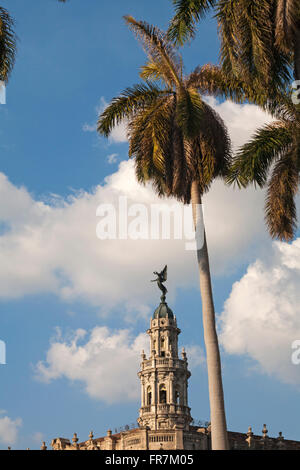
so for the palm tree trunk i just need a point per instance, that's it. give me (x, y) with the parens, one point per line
(219, 434)
(297, 54)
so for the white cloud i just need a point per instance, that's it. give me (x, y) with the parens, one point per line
(9, 429)
(261, 317)
(107, 363)
(195, 356)
(113, 158)
(118, 134)
(52, 246)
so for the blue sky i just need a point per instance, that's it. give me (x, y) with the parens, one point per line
(71, 60)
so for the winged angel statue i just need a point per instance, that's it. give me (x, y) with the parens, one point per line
(162, 277)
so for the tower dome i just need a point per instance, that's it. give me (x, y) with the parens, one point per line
(163, 310)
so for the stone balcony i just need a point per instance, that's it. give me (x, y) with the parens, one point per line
(165, 408)
(164, 362)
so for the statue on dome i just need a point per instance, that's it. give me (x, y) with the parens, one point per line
(161, 278)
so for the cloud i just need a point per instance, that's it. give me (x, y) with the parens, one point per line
(51, 246)
(261, 317)
(9, 429)
(118, 134)
(107, 363)
(196, 356)
(112, 158)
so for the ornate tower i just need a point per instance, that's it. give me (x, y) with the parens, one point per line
(164, 377)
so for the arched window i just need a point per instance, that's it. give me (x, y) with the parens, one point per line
(177, 397)
(149, 396)
(162, 394)
(162, 347)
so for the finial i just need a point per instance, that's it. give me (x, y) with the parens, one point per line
(249, 439)
(183, 354)
(109, 433)
(161, 278)
(75, 438)
(9, 448)
(143, 355)
(44, 447)
(91, 435)
(280, 441)
(265, 431)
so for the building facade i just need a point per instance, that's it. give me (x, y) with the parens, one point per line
(164, 421)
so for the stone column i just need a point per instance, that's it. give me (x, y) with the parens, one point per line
(179, 439)
(171, 398)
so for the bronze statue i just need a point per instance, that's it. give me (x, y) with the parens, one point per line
(162, 277)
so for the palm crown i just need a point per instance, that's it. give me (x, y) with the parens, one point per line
(175, 137)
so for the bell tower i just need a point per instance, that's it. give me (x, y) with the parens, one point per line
(164, 377)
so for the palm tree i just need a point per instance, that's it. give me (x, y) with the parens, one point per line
(259, 38)
(271, 159)
(180, 145)
(7, 44)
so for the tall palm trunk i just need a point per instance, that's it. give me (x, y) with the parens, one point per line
(216, 396)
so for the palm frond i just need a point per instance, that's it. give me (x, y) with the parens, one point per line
(189, 112)
(212, 80)
(187, 14)
(151, 71)
(158, 48)
(281, 214)
(127, 104)
(181, 177)
(7, 44)
(253, 160)
(149, 133)
(215, 144)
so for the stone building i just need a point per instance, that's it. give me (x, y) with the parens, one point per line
(164, 421)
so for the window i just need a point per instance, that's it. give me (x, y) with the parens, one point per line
(162, 394)
(162, 347)
(149, 396)
(176, 397)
